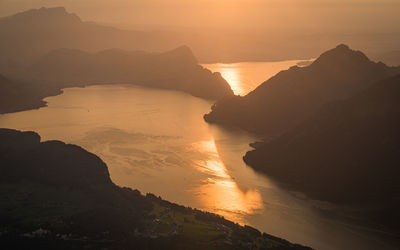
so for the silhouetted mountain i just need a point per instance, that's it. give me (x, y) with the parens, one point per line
(390, 58)
(23, 41)
(43, 17)
(177, 69)
(293, 95)
(26, 36)
(59, 196)
(348, 152)
(17, 96)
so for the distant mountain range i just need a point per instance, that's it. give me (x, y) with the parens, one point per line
(177, 69)
(56, 49)
(59, 196)
(28, 35)
(49, 45)
(287, 99)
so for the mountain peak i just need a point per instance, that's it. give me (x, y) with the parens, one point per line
(343, 47)
(59, 9)
(342, 55)
(45, 14)
(182, 52)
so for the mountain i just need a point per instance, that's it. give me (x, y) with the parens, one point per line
(348, 152)
(53, 28)
(31, 54)
(177, 69)
(18, 95)
(59, 196)
(390, 58)
(291, 96)
(28, 35)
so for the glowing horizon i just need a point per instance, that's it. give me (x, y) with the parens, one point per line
(241, 14)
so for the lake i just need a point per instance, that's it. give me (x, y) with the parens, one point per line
(157, 141)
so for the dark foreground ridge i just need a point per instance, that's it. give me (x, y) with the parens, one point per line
(291, 96)
(59, 196)
(349, 152)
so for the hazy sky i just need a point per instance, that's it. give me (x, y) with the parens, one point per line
(343, 15)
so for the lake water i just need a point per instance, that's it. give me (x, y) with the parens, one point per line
(156, 141)
(246, 76)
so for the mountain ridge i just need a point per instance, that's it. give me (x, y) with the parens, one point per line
(44, 13)
(176, 69)
(28, 35)
(347, 153)
(294, 94)
(344, 140)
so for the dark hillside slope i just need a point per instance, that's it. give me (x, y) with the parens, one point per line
(349, 152)
(59, 196)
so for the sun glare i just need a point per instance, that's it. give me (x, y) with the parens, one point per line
(220, 191)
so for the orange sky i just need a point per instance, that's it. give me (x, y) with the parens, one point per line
(338, 15)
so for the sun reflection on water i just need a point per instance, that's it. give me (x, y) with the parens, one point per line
(220, 191)
(231, 74)
(246, 76)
